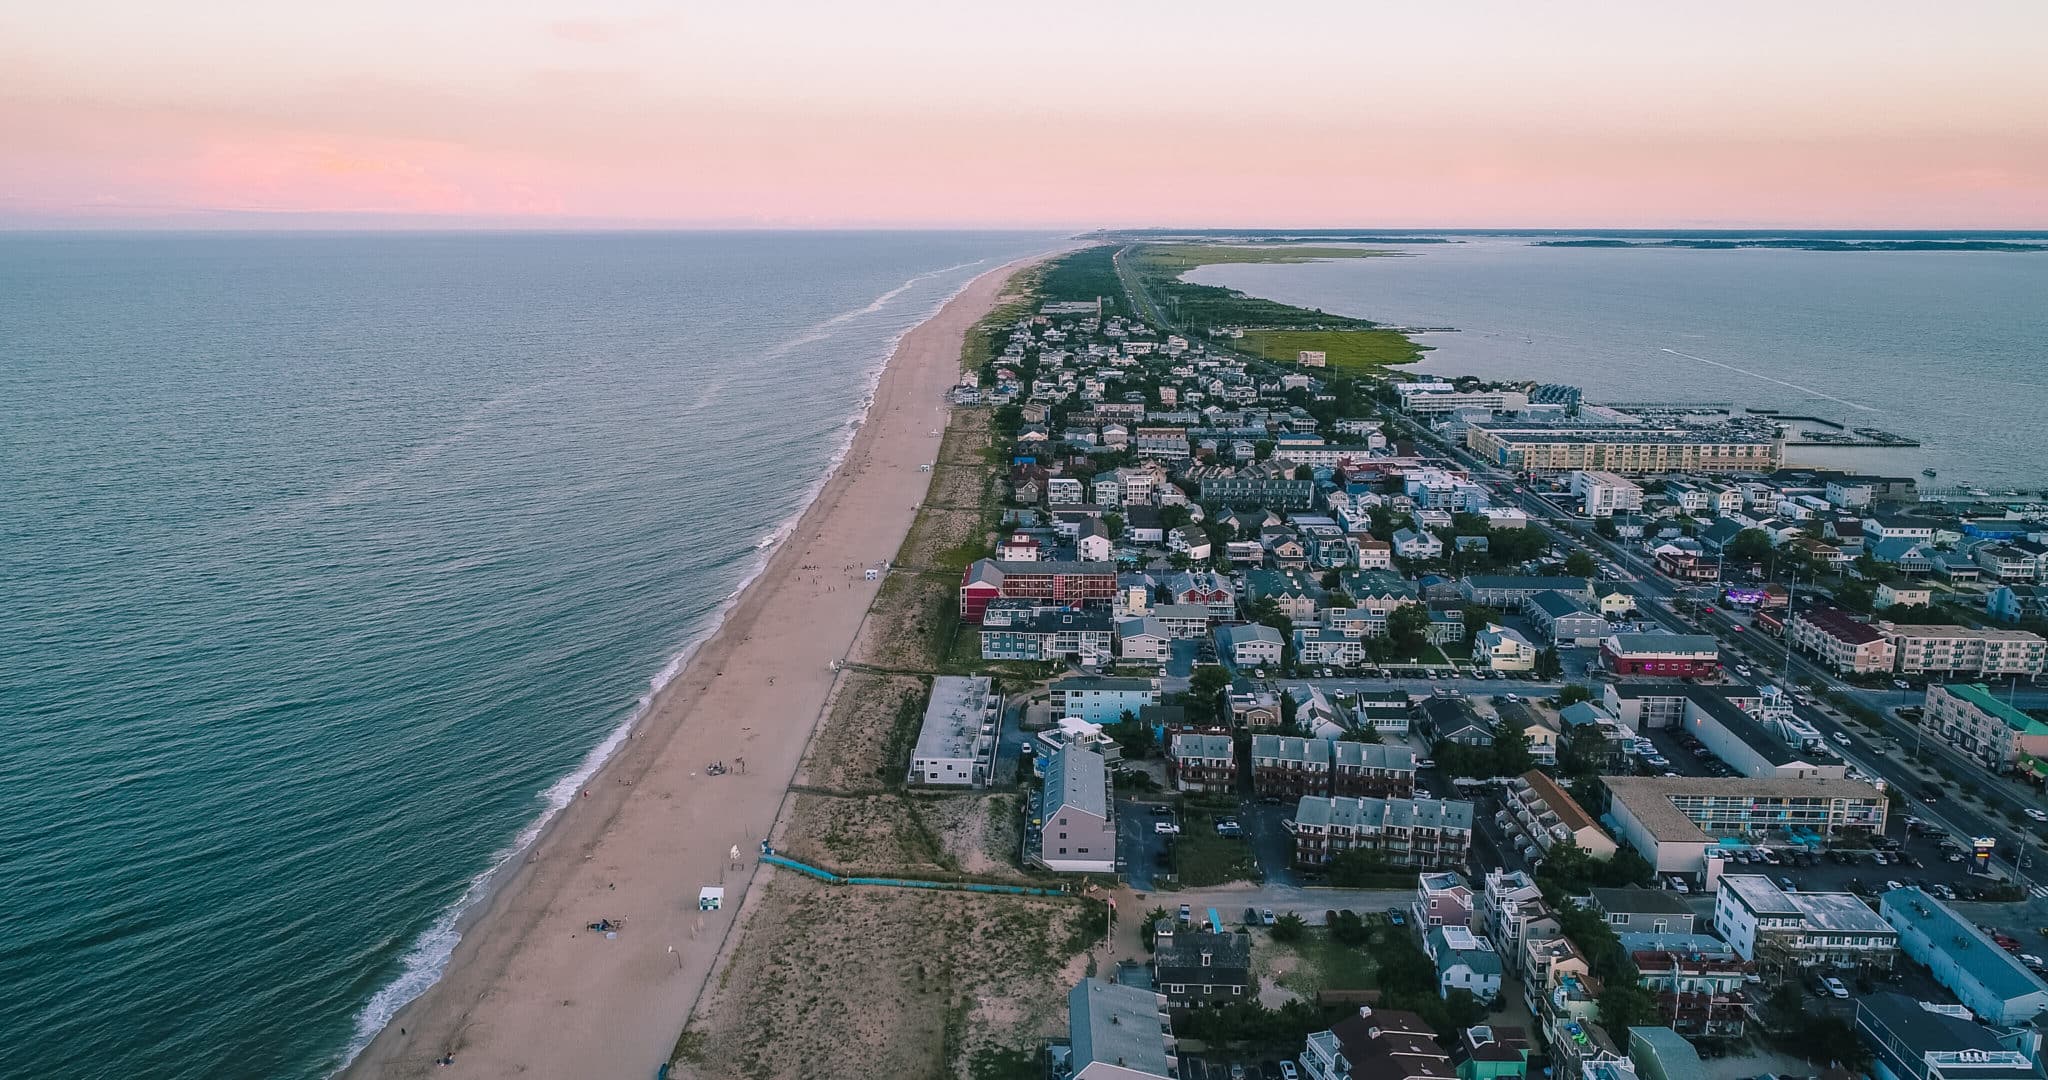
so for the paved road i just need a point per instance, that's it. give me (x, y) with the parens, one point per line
(1309, 903)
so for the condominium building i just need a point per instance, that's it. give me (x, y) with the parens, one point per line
(1966, 650)
(1626, 448)
(956, 744)
(1841, 642)
(1539, 814)
(1206, 763)
(1284, 766)
(1782, 932)
(1427, 834)
(1359, 769)
(1970, 718)
(1604, 494)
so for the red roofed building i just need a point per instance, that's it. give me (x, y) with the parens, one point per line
(1067, 584)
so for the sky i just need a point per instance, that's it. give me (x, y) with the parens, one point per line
(1050, 114)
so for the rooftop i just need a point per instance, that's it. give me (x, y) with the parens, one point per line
(1919, 1030)
(1913, 911)
(1980, 696)
(1640, 901)
(1372, 813)
(1837, 623)
(1203, 746)
(1560, 801)
(1119, 1025)
(1648, 798)
(1075, 776)
(1665, 644)
(953, 718)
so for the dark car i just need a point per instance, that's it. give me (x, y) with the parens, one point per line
(1395, 916)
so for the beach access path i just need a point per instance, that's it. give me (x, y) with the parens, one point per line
(531, 990)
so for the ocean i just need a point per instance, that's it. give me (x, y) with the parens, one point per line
(330, 564)
(1948, 348)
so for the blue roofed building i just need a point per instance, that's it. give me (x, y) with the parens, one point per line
(1464, 961)
(1118, 1032)
(1988, 980)
(1910, 1041)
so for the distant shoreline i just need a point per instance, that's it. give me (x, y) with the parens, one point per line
(1803, 244)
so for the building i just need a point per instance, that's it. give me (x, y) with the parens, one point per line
(1539, 814)
(1142, 640)
(1629, 449)
(1673, 820)
(1249, 645)
(1376, 1044)
(1604, 494)
(1206, 763)
(1464, 961)
(1360, 769)
(1067, 584)
(1510, 591)
(1511, 911)
(1384, 711)
(1195, 968)
(1642, 911)
(1890, 595)
(1684, 656)
(1701, 988)
(956, 745)
(1442, 899)
(1453, 720)
(1659, 1053)
(1969, 717)
(1284, 766)
(1841, 642)
(1427, 834)
(1503, 648)
(1661, 704)
(1102, 699)
(1417, 545)
(1438, 397)
(1117, 1032)
(1076, 827)
(1783, 932)
(1047, 634)
(1492, 1052)
(1911, 1041)
(1742, 740)
(1988, 980)
(1965, 650)
(1258, 489)
(1564, 620)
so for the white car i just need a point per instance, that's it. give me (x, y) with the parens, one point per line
(1842, 737)
(2035, 814)
(1891, 886)
(1166, 828)
(1835, 987)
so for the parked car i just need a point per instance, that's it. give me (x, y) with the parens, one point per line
(1268, 917)
(1287, 1071)
(1187, 914)
(1161, 810)
(1890, 885)
(1835, 987)
(1166, 828)
(1395, 916)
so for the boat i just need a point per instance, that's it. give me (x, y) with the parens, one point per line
(1929, 472)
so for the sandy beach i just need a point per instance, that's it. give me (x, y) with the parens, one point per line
(531, 990)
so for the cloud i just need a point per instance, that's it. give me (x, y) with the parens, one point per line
(604, 31)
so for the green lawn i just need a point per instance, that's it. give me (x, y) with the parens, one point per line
(1348, 350)
(1201, 858)
(1326, 965)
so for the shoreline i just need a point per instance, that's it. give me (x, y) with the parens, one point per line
(476, 902)
(487, 1008)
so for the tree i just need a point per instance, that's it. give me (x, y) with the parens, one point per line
(1749, 545)
(1359, 868)
(1262, 449)
(1408, 628)
(1477, 616)
(1605, 527)
(1856, 595)
(1367, 734)
(1204, 699)
(1134, 736)
(1173, 517)
(1511, 755)
(1584, 751)
(1624, 1005)
(1580, 564)
(1288, 927)
(1573, 693)
(1548, 664)
(1114, 522)
(1289, 709)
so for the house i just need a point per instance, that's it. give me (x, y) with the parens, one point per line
(1376, 1044)
(1101, 699)
(1890, 595)
(1427, 834)
(1417, 546)
(1249, 645)
(1700, 986)
(1375, 554)
(1464, 961)
(1252, 707)
(1511, 910)
(1199, 968)
(1117, 1032)
(2007, 563)
(1019, 547)
(1076, 831)
(1191, 541)
(1285, 766)
(1290, 590)
(1913, 1040)
(1988, 980)
(1453, 720)
(1660, 1053)
(1095, 544)
(1642, 911)
(1045, 633)
(1535, 729)
(1384, 711)
(1503, 648)
(1442, 899)
(956, 744)
(1492, 1052)
(1141, 640)
(1205, 763)
(2011, 603)
(1143, 525)
(1785, 933)
(1206, 588)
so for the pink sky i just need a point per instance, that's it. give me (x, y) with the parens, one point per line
(1051, 114)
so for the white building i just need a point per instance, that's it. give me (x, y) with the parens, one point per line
(1604, 494)
(956, 745)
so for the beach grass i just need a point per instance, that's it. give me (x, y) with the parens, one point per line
(1358, 351)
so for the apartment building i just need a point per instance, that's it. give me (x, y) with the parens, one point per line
(1605, 494)
(1969, 717)
(1624, 449)
(1205, 763)
(1673, 820)
(1783, 932)
(1359, 769)
(1953, 650)
(1427, 834)
(1841, 642)
(1287, 767)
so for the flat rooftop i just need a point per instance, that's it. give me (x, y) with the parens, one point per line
(1911, 910)
(1648, 798)
(953, 719)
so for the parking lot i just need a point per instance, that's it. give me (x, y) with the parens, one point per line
(1215, 1067)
